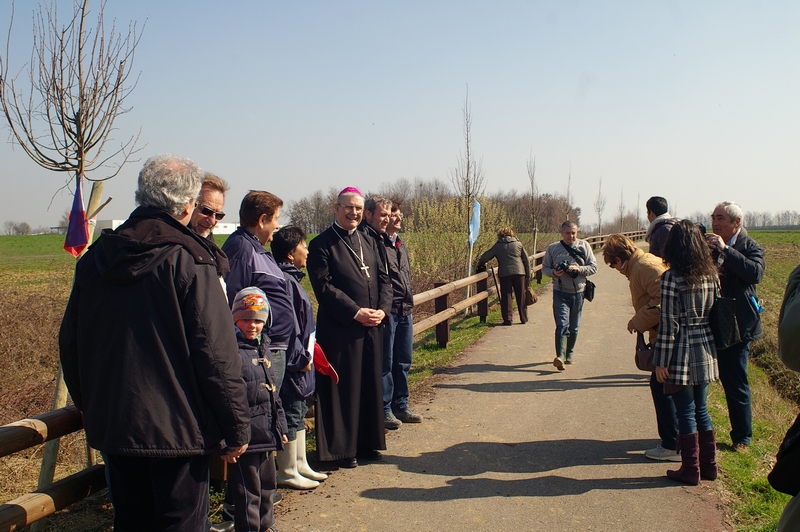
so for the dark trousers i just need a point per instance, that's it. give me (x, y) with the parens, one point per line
(665, 414)
(251, 483)
(515, 283)
(158, 494)
(733, 375)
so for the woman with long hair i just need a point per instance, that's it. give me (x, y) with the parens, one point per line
(685, 354)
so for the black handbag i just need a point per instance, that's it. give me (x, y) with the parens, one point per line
(723, 322)
(784, 476)
(644, 354)
(588, 290)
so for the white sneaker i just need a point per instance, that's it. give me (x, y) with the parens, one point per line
(662, 454)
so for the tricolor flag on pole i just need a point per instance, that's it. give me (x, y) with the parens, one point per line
(78, 228)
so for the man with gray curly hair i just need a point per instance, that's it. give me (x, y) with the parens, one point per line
(150, 357)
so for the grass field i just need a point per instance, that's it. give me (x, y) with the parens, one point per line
(35, 278)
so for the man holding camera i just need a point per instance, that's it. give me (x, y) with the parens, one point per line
(569, 262)
(740, 260)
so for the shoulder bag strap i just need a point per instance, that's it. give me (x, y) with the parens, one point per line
(578, 255)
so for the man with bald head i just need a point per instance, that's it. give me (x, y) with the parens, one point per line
(354, 293)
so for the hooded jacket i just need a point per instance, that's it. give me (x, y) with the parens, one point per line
(658, 231)
(147, 343)
(267, 419)
(298, 384)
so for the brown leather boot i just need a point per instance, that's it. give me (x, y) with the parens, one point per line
(708, 454)
(689, 472)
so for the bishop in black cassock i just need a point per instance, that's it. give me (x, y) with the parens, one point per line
(354, 295)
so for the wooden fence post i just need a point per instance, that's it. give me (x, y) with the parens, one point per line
(442, 329)
(483, 305)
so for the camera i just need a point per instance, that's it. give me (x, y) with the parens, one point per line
(563, 266)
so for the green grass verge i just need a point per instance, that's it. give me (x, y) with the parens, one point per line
(428, 356)
(751, 503)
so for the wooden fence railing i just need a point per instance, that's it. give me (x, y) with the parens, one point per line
(20, 435)
(440, 294)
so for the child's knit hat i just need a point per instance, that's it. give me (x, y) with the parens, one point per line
(250, 304)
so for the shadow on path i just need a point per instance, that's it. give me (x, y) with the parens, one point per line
(549, 486)
(553, 385)
(475, 458)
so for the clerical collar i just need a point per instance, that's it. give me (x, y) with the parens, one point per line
(348, 231)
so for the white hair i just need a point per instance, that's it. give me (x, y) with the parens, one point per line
(168, 182)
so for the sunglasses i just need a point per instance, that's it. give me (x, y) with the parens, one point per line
(206, 211)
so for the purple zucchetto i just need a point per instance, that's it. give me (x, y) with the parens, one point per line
(350, 190)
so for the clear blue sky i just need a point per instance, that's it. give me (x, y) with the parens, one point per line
(694, 101)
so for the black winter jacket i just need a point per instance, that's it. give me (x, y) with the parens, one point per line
(147, 343)
(396, 263)
(742, 269)
(267, 419)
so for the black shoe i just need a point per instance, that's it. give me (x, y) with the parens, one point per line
(276, 498)
(347, 463)
(370, 455)
(225, 526)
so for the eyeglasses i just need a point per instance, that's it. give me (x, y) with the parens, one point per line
(352, 208)
(207, 211)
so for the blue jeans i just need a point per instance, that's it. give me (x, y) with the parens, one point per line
(733, 375)
(398, 346)
(294, 411)
(690, 406)
(567, 312)
(665, 414)
(278, 368)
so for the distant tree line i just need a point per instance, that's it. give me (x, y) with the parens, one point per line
(756, 220)
(23, 228)
(433, 205)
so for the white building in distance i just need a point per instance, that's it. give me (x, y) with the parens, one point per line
(220, 229)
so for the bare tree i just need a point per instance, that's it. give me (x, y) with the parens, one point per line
(467, 178)
(63, 222)
(567, 206)
(63, 114)
(621, 212)
(600, 206)
(534, 199)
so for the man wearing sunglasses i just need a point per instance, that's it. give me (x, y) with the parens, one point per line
(210, 203)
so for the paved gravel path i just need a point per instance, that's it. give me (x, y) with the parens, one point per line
(510, 443)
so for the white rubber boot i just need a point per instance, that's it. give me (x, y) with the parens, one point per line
(288, 477)
(302, 464)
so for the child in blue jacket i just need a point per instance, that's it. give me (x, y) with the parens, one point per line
(251, 478)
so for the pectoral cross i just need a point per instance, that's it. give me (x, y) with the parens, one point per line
(364, 268)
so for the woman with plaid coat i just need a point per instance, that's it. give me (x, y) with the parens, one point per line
(685, 354)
